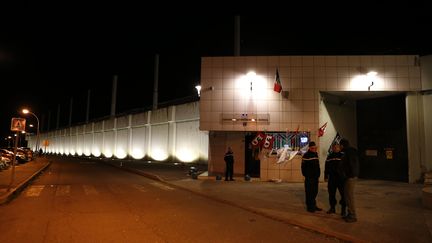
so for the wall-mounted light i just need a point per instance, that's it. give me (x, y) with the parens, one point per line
(371, 76)
(367, 79)
(199, 89)
(251, 78)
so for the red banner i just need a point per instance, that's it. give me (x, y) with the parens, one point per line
(268, 142)
(258, 140)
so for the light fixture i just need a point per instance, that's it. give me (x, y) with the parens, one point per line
(371, 76)
(198, 88)
(251, 77)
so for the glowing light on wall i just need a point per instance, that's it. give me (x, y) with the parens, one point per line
(186, 155)
(120, 153)
(72, 152)
(159, 154)
(96, 152)
(369, 81)
(107, 153)
(137, 154)
(79, 152)
(251, 85)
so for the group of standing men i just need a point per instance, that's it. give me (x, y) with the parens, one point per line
(341, 172)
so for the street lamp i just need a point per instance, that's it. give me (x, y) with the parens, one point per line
(26, 111)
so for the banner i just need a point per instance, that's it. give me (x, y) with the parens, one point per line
(258, 140)
(268, 142)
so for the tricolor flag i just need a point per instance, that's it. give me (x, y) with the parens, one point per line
(322, 130)
(277, 84)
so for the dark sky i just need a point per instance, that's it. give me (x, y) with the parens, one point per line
(52, 52)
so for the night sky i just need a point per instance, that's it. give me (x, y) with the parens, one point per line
(50, 53)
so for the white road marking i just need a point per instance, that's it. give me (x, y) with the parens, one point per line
(62, 190)
(162, 186)
(139, 187)
(34, 191)
(90, 190)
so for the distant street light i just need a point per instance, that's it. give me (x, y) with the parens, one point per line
(26, 111)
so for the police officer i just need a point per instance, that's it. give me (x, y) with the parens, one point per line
(229, 162)
(311, 171)
(350, 170)
(334, 179)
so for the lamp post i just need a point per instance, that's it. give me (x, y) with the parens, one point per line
(26, 111)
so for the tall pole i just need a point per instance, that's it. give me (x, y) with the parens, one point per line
(42, 125)
(26, 111)
(88, 106)
(58, 116)
(237, 36)
(156, 82)
(70, 111)
(37, 131)
(114, 96)
(49, 120)
(13, 162)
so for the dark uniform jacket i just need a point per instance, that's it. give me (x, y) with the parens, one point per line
(229, 157)
(310, 165)
(332, 165)
(350, 163)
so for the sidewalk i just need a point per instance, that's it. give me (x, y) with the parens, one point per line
(24, 173)
(387, 211)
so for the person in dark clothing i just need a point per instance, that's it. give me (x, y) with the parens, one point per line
(334, 180)
(311, 171)
(229, 162)
(349, 170)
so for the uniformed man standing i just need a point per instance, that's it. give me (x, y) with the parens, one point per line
(350, 169)
(334, 179)
(311, 171)
(229, 162)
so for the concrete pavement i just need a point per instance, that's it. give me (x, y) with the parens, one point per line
(24, 173)
(387, 211)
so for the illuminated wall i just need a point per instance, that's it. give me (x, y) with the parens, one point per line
(227, 88)
(233, 89)
(164, 134)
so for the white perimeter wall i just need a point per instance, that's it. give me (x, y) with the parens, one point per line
(167, 133)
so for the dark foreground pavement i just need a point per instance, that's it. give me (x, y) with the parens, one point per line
(387, 211)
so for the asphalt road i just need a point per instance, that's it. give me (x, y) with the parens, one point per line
(84, 201)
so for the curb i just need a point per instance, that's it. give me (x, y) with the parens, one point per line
(16, 190)
(333, 234)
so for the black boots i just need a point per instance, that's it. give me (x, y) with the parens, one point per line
(343, 211)
(331, 210)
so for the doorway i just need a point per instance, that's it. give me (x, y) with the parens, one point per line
(252, 161)
(382, 138)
